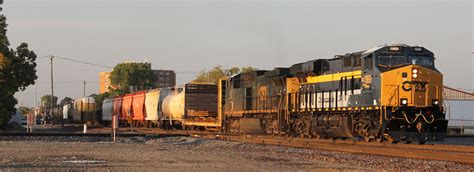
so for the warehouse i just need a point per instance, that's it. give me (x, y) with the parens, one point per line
(459, 109)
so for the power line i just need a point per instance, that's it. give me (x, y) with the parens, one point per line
(77, 61)
(105, 66)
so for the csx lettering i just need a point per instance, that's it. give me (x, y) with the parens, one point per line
(420, 86)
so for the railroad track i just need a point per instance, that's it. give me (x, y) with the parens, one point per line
(452, 153)
(440, 152)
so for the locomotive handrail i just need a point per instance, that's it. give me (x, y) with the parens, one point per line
(418, 115)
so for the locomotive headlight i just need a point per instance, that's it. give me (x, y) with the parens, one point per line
(435, 102)
(415, 70)
(415, 75)
(404, 102)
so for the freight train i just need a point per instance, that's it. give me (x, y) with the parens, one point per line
(388, 93)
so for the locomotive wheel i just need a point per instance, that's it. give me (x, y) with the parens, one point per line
(391, 140)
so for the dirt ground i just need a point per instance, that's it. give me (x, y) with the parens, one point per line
(186, 154)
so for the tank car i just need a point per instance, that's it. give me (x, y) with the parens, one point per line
(107, 110)
(391, 93)
(85, 111)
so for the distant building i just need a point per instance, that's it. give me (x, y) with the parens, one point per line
(104, 82)
(459, 106)
(164, 78)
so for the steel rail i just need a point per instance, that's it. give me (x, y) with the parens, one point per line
(443, 153)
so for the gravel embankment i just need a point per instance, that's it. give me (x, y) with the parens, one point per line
(187, 154)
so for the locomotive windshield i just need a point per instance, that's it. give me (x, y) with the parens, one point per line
(393, 61)
(423, 61)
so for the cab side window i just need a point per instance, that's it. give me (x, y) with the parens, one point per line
(368, 62)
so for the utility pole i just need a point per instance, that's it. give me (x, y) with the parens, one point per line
(36, 94)
(84, 88)
(52, 88)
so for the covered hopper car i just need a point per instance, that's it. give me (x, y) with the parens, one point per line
(153, 104)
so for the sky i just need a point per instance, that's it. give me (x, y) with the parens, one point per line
(189, 36)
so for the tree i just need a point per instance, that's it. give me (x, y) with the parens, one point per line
(216, 73)
(24, 110)
(99, 98)
(127, 77)
(247, 69)
(46, 101)
(66, 100)
(17, 71)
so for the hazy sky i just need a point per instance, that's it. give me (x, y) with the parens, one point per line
(189, 36)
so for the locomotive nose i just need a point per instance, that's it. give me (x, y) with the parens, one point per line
(420, 86)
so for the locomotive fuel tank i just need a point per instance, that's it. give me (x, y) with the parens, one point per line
(333, 125)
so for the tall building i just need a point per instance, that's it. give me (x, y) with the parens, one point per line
(164, 78)
(104, 82)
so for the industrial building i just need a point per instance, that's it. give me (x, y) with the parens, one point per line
(164, 78)
(459, 107)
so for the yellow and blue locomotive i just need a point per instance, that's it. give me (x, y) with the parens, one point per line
(391, 93)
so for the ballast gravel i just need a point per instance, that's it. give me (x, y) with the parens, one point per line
(188, 154)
